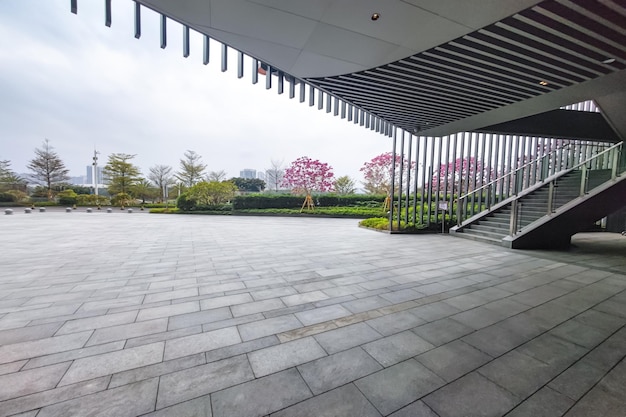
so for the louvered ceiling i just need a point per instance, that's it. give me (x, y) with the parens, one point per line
(551, 46)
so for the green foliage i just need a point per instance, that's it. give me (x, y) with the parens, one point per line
(191, 169)
(48, 169)
(382, 223)
(121, 200)
(163, 210)
(356, 212)
(211, 193)
(288, 201)
(120, 173)
(344, 185)
(91, 200)
(248, 184)
(184, 203)
(67, 197)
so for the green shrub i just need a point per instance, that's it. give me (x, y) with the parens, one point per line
(164, 210)
(289, 201)
(67, 197)
(183, 203)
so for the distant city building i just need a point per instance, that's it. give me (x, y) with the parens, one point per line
(248, 173)
(89, 176)
(77, 180)
(260, 175)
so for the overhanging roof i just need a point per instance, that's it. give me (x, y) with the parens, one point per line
(428, 66)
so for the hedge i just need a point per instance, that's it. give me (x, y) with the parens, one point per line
(288, 201)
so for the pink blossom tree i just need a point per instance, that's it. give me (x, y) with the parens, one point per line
(378, 172)
(466, 174)
(306, 175)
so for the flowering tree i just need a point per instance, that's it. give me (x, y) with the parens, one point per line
(466, 174)
(378, 172)
(306, 175)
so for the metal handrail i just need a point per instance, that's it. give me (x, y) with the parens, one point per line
(499, 179)
(553, 178)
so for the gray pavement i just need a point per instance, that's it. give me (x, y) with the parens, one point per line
(153, 315)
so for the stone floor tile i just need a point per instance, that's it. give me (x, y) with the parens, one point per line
(364, 304)
(442, 331)
(346, 337)
(553, 350)
(601, 320)
(25, 334)
(160, 368)
(171, 295)
(30, 381)
(472, 395)
(335, 370)
(202, 342)
(607, 398)
(322, 314)
(262, 396)
(9, 368)
(112, 362)
(167, 311)
(272, 293)
(161, 337)
(395, 322)
(207, 327)
(609, 352)
(344, 401)
(467, 301)
(127, 331)
(518, 373)
(544, 403)
(577, 379)
(416, 409)
(400, 296)
(97, 322)
(40, 347)
(268, 327)
(201, 380)
(308, 297)
(199, 407)
(256, 307)
(396, 348)
(241, 348)
(434, 311)
(127, 401)
(199, 317)
(453, 360)
(285, 355)
(399, 385)
(74, 354)
(580, 334)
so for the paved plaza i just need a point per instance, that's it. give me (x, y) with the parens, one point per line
(118, 314)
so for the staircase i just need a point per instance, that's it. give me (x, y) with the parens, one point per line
(549, 213)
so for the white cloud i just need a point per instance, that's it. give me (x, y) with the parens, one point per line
(72, 80)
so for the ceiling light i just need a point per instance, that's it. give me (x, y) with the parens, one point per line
(375, 16)
(544, 83)
(608, 61)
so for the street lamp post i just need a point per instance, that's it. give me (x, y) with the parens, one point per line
(94, 171)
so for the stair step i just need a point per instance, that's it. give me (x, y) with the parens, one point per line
(478, 238)
(490, 227)
(492, 235)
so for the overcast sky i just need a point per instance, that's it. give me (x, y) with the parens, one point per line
(72, 80)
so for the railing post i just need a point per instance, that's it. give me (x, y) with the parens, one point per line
(459, 211)
(583, 180)
(616, 158)
(513, 224)
(551, 197)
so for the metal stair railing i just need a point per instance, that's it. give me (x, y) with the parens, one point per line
(611, 160)
(568, 154)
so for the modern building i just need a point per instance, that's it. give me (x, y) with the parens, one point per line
(497, 105)
(89, 175)
(248, 173)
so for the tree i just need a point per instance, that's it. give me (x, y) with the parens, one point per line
(379, 170)
(162, 177)
(275, 174)
(9, 180)
(48, 168)
(216, 176)
(212, 193)
(144, 189)
(466, 174)
(249, 184)
(121, 175)
(306, 175)
(191, 169)
(344, 185)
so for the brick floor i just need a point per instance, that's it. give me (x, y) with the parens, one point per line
(132, 314)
